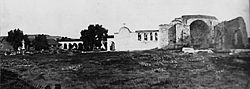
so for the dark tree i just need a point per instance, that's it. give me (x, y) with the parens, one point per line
(15, 38)
(41, 42)
(93, 36)
(27, 42)
(88, 39)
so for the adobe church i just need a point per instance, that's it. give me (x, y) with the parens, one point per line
(197, 31)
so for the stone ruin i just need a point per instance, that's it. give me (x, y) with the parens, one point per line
(203, 32)
(231, 34)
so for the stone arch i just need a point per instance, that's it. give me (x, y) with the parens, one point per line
(70, 46)
(75, 46)
(207, 21)
(199, 31)
(112, 46)
(80, 46)
(237, 39)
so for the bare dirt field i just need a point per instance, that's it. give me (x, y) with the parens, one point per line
(152, 69)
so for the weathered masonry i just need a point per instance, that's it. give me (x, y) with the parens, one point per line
(231, 34)
(201, 31)
(197, 31)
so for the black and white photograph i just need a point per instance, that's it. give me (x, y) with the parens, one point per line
(124, 44)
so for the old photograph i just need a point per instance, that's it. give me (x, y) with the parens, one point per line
(124, 44)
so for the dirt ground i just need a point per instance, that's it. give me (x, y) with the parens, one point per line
(154, 69)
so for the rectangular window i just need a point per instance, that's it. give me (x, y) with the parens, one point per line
(151, 36)
(139, 36)
(156, 36)
(145, 36)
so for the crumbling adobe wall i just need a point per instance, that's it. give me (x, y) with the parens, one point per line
(231, 34)
(163, 35)
(172, 35)
(182, 35)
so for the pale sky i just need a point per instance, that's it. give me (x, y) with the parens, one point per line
(69, 17)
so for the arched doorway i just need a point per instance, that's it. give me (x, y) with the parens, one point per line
(112, 46)
(65, 46)
(80, 46)
(199, 31)
(75, 46)
(237, 40)
(70, 46)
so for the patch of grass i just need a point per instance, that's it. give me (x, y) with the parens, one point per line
(125, 70)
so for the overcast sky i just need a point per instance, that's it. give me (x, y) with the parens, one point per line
(69, 17)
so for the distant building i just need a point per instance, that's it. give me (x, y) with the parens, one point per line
(69, 43)
(126, 40)
(74, 43)
(197, 31)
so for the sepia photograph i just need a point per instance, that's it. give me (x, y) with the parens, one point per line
(124, 44)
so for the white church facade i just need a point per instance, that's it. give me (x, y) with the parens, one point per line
(127, 40)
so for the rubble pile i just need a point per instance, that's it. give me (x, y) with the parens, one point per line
(131, 70)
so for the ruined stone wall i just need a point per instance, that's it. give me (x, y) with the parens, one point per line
(182, 34)
(218, 38)
(163, 35)
(179, 29)
(231, 34)
(226, 35)
(172, 35)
